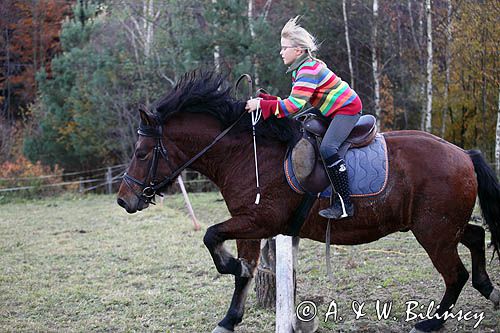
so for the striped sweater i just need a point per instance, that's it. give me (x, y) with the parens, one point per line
(313, 82)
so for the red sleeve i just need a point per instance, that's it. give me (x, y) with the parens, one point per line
(268, 107)
(267, 97)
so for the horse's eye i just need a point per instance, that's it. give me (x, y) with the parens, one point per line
(142, 155)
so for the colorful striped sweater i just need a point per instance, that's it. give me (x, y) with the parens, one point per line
(313, 82)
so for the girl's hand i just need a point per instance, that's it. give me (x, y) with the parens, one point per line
(252, 104)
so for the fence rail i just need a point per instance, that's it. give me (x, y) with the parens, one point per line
(106, 181)
(98, 181)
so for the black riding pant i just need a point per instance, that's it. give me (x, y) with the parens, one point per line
(339, 129)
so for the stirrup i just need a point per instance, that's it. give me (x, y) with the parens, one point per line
(338, 210)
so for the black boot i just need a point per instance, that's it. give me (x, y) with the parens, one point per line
(338, 176)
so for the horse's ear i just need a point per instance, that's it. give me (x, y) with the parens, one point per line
(146, 116)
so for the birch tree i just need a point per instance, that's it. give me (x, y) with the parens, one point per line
(347, 41)
(252, 35)
(216, 47)
(375, 66)
(447, 69)
(140, 27)
(428, 110)
(417, 35)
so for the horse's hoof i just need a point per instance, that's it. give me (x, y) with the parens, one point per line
(429, 325)
(310, 326)
(495, 298)
(414, 330)
(220, 329)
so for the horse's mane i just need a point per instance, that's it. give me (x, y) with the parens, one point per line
(208, 92)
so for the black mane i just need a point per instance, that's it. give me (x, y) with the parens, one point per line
(208, 93)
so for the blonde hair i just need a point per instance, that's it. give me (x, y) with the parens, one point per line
(299, 36)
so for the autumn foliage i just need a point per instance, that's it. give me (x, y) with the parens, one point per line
(23, 173)
(30, 39)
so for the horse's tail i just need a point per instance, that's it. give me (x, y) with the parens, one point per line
(489, 197)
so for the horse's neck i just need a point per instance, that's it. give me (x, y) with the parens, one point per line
(194, 133)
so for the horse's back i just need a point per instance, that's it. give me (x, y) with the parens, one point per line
(437, 176)
(425, 152)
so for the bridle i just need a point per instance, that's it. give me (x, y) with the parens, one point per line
(149, 189)
(151, 186)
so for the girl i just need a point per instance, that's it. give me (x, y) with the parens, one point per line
(314, 82)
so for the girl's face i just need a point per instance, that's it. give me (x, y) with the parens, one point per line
(289, 52)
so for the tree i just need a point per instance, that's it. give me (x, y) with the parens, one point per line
(427, 116)
(139, 20)
(30, 39)
(138, 49)
(71, 123)
(474, 75)
(347, 42)
(375, 66)
(447, 65)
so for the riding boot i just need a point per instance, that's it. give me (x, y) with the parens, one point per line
(342, 205)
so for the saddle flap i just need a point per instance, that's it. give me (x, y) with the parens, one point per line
(303, 158)
(307, 167)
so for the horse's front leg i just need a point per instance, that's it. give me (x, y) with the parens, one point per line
(234, 228)
(248, 250)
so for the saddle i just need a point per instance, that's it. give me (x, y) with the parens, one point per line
(305, 158)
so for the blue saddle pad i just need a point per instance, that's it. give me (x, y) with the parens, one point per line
(367, 168)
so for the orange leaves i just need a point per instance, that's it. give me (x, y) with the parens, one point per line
(22, 172)
(30, 31)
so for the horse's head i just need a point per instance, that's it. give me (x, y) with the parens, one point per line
(148, 169)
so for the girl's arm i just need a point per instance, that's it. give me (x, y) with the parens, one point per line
(305, 84)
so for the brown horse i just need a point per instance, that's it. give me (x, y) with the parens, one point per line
(431, 189)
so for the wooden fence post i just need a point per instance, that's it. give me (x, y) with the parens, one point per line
(285, 309)
(109, 180)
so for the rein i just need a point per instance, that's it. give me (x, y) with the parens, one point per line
(149, 191)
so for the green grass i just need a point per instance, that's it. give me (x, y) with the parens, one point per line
(78, 264)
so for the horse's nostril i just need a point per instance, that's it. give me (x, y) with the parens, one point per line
(122, 203)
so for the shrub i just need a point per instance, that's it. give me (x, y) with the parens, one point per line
(34, 177)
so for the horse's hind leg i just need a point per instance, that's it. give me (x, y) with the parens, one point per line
(473, 239)
(444, 255)
(248, 250)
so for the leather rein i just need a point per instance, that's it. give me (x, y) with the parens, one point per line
(152, 188)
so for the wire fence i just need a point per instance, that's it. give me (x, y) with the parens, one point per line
(101, 180)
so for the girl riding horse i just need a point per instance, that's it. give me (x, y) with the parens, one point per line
(314, 82)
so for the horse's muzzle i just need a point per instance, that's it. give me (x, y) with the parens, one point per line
(124, 204)
(132, 206)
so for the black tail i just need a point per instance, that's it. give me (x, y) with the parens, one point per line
(489, 197)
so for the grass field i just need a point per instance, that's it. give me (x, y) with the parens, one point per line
(80, 264)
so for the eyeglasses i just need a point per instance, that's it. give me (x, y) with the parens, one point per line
(284, 47)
